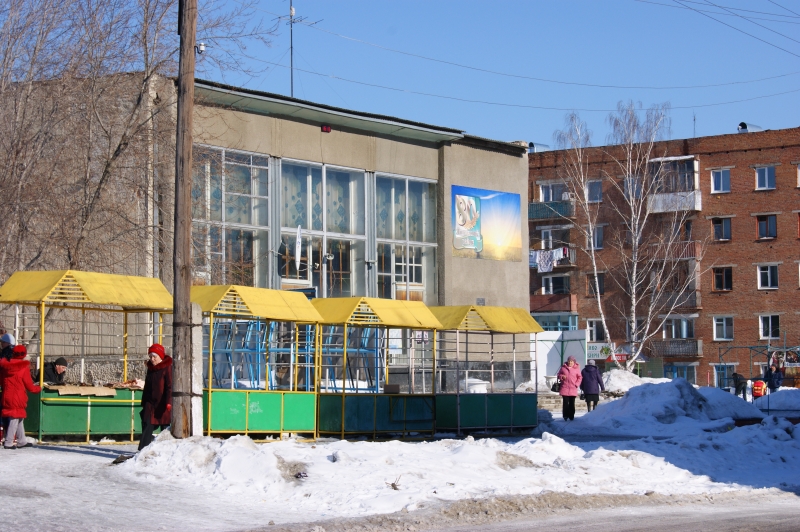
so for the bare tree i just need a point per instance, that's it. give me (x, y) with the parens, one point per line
(651, 254)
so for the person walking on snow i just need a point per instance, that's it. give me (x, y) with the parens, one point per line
(15, 378)
(591, 385)
(570, 378)
(157, 394)
(774, 378)
(740, 385)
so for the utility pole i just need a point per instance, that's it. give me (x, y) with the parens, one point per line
(182, 263)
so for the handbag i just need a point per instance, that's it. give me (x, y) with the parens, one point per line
(583, 396)
(556, 387)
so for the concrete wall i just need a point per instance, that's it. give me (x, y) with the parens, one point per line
(463, 280)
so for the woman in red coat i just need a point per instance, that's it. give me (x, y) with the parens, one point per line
(570, 378)
(157, 394)
(15, 379)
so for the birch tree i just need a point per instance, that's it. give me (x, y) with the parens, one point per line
(650, 248)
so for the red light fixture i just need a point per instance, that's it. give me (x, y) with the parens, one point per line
(326, 129)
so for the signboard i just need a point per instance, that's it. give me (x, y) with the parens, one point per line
(486, 224)
(620, 358)
(594, 350)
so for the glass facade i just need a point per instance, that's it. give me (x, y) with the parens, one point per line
(235, 206)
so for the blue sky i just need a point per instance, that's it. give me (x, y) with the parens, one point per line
(619, 43)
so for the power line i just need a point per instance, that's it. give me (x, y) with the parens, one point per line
(725, 14)
(756, 23)
(521, 106)
(783, 7)
(737, 29)
(532, 78)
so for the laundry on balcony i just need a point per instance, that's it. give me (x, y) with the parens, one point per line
(543, 260)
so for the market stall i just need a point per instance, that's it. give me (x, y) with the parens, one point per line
(261, 377)
(100, 323)
(485, 369)
(377, 359)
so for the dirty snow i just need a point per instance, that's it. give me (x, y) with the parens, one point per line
(783, 399)
(619, 380)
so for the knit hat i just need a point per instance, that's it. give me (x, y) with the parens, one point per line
(61, 361)
(157, 349)
(19, 351)
(572, 358)
(8, 338)
(590, 363)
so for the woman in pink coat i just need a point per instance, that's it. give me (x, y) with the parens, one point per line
(570, 378)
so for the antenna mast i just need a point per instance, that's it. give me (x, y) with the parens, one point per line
(291, 45)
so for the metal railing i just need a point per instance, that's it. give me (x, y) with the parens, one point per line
(677, 348)
(551, 209)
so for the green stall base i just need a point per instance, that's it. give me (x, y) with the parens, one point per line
(486, 411)
(375, 414)
(245, 411)
(66, 415)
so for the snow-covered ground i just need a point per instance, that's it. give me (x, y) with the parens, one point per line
(783, 399)
(687, 444)
(619, 380)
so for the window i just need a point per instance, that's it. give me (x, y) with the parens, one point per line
(765, 178)
(599, 285)
(767, 226)
(594, 191)
(768, 277)
(406, 236)
(722, 228)
(678, 328)
(681, 372)
(553, 192)
(596, 331)
(638, 333)
(597, 238)
(632, 187)
(555, 284)
(230, 229)
(770, 327)
(720, 181)
(723, 374)
(557, 322)
(723, 328)
(555, 238)
(723, 279)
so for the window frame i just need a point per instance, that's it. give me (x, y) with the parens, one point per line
(590, 286)
(721, 172)
(593, 326)
(723, 222)
(598, 238)
(722, 270)
(765, 219)
(729, 329)
(773, 282)
(589, 184)
(766, 170)
(772, 328)
(548, 278)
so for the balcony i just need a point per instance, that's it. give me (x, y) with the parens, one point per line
(551, 209)
(554, 303)
(675, 202)
(569, 260)
(690, 299)
(677, 348)
(684, 250)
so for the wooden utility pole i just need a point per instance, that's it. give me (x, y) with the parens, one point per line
(182, 265)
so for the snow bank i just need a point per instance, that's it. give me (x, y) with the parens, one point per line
(619, 380)
(783, 399)
(664, 409)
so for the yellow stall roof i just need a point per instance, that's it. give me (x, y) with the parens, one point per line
(77, 287)
(275, 305)
(375, 311)
(509, 320)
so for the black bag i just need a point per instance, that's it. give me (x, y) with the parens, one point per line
(583, 396)
(556, 387)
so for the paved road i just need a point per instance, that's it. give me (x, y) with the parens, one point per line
(778, 514)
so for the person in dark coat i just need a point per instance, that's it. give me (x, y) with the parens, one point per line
(54, 372)
(591, 385)
(157, 394)
(16, 381)
(774, 378)
(740, 385)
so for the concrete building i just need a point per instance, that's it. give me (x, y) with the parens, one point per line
(741, 195)
(383, 207)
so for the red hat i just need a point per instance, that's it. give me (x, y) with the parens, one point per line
(19, 351)
(158, 349)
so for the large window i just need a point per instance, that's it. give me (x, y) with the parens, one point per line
(677, 371)
(678, 328)
(765, 178)
(768, 277)
(770, 327)
(723, 328)
(406, 237)
(554, 192)
(720, 181)
(328, 205)
(555, 284)
(230, 238)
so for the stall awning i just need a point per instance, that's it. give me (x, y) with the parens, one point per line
(76, 287)
(374, 311)
(274, 305)
(508, 320)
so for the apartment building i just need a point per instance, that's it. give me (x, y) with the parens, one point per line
(740, 244)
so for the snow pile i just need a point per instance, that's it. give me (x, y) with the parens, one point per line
(783, 399)
(665, 409)
(236, 464)
(619, 380)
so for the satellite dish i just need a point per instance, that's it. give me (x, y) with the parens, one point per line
(298, 248)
